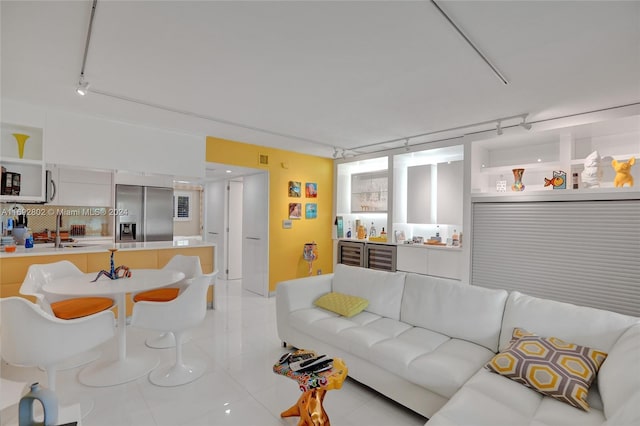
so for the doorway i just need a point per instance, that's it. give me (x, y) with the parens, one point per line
(237, 221)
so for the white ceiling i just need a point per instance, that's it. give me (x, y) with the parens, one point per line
(307, 76)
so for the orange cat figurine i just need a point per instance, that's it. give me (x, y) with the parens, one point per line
(623, 172)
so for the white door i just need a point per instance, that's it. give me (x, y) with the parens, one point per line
(234, 237)
(216, 196)
(255, 231)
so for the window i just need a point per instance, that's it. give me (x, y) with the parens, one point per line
(181, 206)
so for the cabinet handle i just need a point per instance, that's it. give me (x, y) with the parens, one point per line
(253, 238)
(53, 187)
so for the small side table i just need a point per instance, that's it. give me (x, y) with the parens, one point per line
(313, 386)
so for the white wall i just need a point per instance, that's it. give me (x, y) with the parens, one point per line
(87, 141)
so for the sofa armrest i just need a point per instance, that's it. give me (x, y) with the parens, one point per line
(296, 294)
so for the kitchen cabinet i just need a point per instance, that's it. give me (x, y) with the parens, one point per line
(445, 181)
(78, 187)
(428, 191)
(412, 259)
(419, 183)
(449, 193)
(369, 192)
(437, 261)
(28, 170)
(362, 193)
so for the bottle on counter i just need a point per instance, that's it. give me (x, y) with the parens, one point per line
(383, 234)
(437, 237)
(372, 230)
(28, 239)
(349, 230)
(455, 239)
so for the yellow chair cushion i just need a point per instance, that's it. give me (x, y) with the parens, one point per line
(157, 295)
(343, 304)
(80, 307)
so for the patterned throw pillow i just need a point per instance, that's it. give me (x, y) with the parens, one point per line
(550, 366)
(342, 304)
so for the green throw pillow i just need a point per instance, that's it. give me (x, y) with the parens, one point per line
(342, 304)
(550, 366)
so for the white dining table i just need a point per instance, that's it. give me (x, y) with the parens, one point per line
(123, 369)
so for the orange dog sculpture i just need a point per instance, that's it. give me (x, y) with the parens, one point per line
(623, 172)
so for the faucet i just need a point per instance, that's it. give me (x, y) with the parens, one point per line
(58, 243)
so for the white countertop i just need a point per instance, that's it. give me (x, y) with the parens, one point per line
(429, 246)
(99, 247)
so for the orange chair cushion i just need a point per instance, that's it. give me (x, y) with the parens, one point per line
(157, 295)
(80, 307)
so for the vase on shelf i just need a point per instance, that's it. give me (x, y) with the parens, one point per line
(21, 139)
(517, 177)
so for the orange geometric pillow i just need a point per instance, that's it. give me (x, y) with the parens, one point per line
(551, 366)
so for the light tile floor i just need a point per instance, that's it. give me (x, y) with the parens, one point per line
(240, 344)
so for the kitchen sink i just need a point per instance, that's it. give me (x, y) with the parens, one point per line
(72, 245)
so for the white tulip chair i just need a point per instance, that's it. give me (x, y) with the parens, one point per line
(176, 316)
(191, 268)
(31, 337)
(60, 306)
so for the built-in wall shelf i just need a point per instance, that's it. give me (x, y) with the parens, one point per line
(507, 170)
(606, 193)
(27, 171)
(565, 149)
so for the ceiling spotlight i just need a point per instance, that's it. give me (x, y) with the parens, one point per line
(499, 127)
(335, 152)
(83, 87)
(524, 123)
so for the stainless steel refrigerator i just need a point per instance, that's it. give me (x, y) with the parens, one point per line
(143, 213)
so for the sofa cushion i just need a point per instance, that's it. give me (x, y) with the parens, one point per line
(550, 366)
(591, 327)
(458, 310)
(628, 414)
(396, 354)
(303, 317)
(343, 304)
(382, 289)
(619, 377)
(358, 340)
(489, 399)
(448, 367)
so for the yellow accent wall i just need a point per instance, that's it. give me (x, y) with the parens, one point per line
(286, 245)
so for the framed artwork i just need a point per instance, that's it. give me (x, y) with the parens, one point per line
(295, 210)
(311, 211)
(311, 190)
(294, 189)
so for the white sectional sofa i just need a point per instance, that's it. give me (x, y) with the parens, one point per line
(423, 342)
